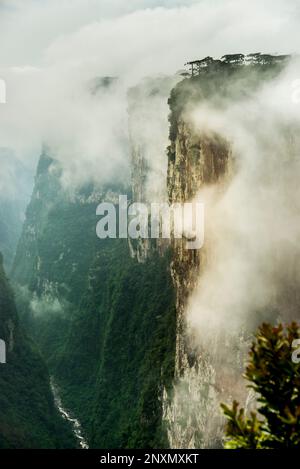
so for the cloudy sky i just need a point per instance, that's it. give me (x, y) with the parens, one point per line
(42, 32)
(51, 48)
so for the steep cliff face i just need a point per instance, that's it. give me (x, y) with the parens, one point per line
(28, 418)
(12, 203)
(199, 158)
(196, 160)
(56, 248)
(148, 130)
(100, 317)
(110, 319)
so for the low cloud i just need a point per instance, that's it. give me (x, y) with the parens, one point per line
(253, 226)
(52, 50)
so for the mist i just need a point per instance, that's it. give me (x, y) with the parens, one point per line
(52, 51)
(252, 223)
(249, 265)
(89, 80)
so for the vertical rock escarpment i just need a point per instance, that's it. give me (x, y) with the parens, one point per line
(12, 202)
(202, 155)
(98, 311)
(196, 160)
(148, 132)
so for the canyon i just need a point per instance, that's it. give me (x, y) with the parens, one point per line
(122, 325)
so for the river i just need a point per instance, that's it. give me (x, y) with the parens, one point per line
(76, 425)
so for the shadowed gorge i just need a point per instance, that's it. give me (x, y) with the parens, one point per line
(149, 229)
(102, 321)
(116, 320)
(28, 418)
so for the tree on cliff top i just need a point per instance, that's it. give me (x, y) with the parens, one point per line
(274, 374)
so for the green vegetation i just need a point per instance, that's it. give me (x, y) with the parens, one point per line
(28, 418)
(275, 377)
(219, 81)
(105, 324)
(120, 351)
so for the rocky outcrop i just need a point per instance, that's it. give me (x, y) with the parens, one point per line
(100, 317)
(148, 130)
(200, 157)
(195, 161)
(12, 203)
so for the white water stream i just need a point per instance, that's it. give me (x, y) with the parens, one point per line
(76, 425)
